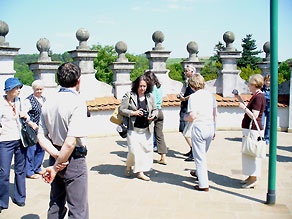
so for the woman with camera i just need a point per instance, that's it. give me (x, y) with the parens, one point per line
(139, 110)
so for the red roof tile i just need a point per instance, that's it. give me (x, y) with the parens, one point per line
(110, 102)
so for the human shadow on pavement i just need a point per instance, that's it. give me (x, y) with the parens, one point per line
(234, 139)
(155, 175)
(30, 216)
(285, 148)
(122, 154)
(283, 158)
(224, 180)
(229, 182)
(122, 143)
(106, 169)
(172, 178)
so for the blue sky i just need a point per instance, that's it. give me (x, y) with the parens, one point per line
(134, 22)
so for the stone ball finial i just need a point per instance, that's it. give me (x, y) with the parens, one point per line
(266, 48)
(4, 29)
(229, 38)
(158, 38)
(121, 48)
(192, 49)
(82, 36)
(43, 46)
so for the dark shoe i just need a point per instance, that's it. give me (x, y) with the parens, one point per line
(193, 173)
(201, 189)
(20, 204)
(190, 158)
(188, 154)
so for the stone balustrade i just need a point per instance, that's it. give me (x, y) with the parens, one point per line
(91, 88)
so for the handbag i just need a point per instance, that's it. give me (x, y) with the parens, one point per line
(254, 147)
(116, 118)
(29, 135)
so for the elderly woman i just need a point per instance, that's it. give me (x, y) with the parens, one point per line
(33, 106)
(184, 126)
(251, 166)
(139, 110)
(11, 144)
(202, 111)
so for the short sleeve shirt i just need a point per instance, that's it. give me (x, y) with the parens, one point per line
(257, 103)
(64, 115)
(201, 104)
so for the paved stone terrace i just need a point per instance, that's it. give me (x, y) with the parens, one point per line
(170, 193)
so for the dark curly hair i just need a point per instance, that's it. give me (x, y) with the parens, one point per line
(135, 84)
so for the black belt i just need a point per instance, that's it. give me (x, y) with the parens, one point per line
(78, 152)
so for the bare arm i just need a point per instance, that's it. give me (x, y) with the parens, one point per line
(62, 159)
(47, 145)
(252, 114)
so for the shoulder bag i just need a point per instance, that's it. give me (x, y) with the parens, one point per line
(254, 147)
(29, 135)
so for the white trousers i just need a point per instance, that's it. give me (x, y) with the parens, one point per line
(140, 150)
(201, 139)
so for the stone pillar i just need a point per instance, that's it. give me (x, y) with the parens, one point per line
(265, 64)
(121, 71)
(157, 64)
(7, 55)
(229, 76)
(193, 59)
(84, 57)
(45, 69)
(290, 101)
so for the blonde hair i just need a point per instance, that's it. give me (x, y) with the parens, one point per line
(191, 68)
(197, 81)
(257, 80)
(37, 83)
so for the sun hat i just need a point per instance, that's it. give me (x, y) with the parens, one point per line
(11, 83)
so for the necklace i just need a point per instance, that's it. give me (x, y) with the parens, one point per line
(12, 105)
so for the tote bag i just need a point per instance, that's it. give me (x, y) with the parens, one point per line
(254, 146)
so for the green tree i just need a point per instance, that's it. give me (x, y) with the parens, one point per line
(249, 53)
(106, 55)
(176, 71)
(23, 73)
(210, 69)
(246, 72)
(141, 64)
(218, 47)
(284, 71)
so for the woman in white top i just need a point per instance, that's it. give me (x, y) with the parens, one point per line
(202, 111)
(11, 145)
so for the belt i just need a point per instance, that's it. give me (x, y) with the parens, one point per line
(78, 152)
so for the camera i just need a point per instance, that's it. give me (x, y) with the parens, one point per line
(145, 113)
(179, 96)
